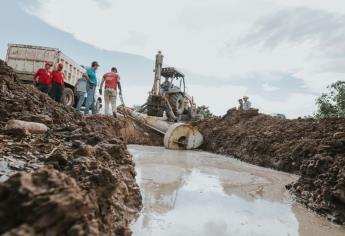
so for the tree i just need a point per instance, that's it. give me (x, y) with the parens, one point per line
(205, 111)
(332, 104)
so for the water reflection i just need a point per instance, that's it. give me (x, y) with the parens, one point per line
(197, 193)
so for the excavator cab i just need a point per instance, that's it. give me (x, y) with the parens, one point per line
(174, 81)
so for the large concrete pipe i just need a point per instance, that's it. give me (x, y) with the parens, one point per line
(182, 136)
(176, 135)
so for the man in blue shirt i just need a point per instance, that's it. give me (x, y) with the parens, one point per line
(91, 88)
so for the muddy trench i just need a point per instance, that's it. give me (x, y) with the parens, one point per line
(84, 164)
(206, 194)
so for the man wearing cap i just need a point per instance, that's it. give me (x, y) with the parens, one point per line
(43, 78)
(91, 88)
(112, 81)
(246, 103)
(57, 83)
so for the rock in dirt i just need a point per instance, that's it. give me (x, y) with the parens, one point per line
(312, 148)
(31, 127)
(38, 118)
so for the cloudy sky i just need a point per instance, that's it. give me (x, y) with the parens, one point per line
(282, 54)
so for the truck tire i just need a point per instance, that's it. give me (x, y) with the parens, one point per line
(68, 97)
(177, 103)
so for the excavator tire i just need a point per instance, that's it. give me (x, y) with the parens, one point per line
(177, 103)
(154, 106)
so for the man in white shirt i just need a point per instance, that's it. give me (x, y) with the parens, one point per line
(80, 90)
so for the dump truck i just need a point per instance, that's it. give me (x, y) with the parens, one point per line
(27, 59)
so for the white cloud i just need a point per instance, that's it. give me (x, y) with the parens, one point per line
(301, 104)
(205, 37)
(218, 98)
(269, 88)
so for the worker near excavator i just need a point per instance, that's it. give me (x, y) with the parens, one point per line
(246, 103)
(58, 83)
(91, 88)
(157, 70)
(112, 82)
(43, 78)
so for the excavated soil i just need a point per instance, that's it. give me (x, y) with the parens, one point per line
(77, 179)
(314, 149)
(130, 131)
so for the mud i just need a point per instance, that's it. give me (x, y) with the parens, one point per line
(314, 149)
(77, 179)
(202, 193)
(131, 131)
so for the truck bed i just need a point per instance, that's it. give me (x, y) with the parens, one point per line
(27, 59)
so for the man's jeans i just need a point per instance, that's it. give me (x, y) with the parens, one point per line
(81, 99)
(90, 100)
(110, 98)
(56, 92)
(43, 88)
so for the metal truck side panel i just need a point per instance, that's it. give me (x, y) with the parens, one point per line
(72, 70)
(27, 59)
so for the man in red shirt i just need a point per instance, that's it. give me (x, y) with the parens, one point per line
(57, 83)
(112, 81)
(43, 78)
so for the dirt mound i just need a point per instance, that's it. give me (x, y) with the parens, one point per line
(309, 147)
(131, 132)
(24, 101)
(76, 179)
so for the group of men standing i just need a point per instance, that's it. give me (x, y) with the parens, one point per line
(244, 103)
(52, 82)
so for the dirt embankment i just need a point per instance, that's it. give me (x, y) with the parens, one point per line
(314, 149)
(77, 179)
(131, 132)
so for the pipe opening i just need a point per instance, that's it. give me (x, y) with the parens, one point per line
(182, 142)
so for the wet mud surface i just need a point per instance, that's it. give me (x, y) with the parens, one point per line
(206, 194)
(76, 179)
(314, 149)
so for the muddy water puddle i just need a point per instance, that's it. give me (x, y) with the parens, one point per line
(198, 193)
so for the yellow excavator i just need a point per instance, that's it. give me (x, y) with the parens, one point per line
(169, 97)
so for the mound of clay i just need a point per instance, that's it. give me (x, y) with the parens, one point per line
(132, 132)
(45, 202)
(309, 147)
(75, 179)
